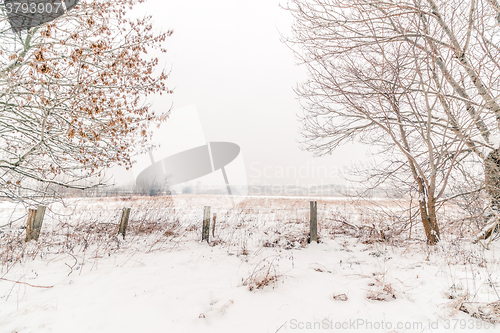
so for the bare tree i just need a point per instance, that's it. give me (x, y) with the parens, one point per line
(73, 97)
(419, 77)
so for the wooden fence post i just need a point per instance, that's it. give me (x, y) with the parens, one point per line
(213, 225)
(34, 224)
(313, 224)
(205, 234)
(124, 221)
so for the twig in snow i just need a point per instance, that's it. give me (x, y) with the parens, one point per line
(71, 267)
(26, 283)
(346, 223)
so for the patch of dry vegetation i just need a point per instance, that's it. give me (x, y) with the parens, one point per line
(88, 229)
(90, 225)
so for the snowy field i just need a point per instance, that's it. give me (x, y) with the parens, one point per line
(258, 274)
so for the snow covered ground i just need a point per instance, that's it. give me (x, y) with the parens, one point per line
(258, 274)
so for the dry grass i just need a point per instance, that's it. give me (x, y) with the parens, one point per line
(265, 273)
(88, 230)
(489, 312)
(386, 294)
(90, 225)
(278, 222)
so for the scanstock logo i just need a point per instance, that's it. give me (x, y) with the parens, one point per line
(191, 164)
(184, 161)
(27, 14)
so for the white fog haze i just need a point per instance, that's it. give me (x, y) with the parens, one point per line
(228, 60)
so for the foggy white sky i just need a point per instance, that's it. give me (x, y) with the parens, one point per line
(227, 60)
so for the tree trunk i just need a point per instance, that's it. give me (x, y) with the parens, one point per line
(431, 210)
(492, 178)
(428, 215)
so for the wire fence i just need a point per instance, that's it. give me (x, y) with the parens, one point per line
(89, 226)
